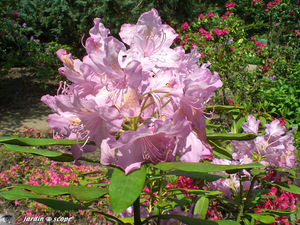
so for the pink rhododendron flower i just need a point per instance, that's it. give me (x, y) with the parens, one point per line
(231, 185)
(210, 14)
(224, 32)
(228, 13)
(275, 149)
(231, 48)
(230, 102)
(208, 36)
(201, 16)
(202, 32)
(185, 26)
(223, 17)
(151, 95)
(230, 5)
(193, 45)
(265, 68)
(252, 38)
(218, 32)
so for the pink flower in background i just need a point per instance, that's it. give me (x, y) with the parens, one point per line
(228, 13)
(258, 51)
(218, 32)
(202, 32)
(208, 36)
(184, 26)
(263, 45)
(252, 38)
(230, 5)
(201, 16)
(230, 102)
(210, 14)
(265, 68)
(274, 149)
(231, 48)
(281, 121)
(258, 44)
(224, 32)
(223, 17)
(270, 61)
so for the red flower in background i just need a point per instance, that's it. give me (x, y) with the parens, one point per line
(184, 26)
(265, 69)
(208, 36)
(230, 5)
(210, 14)
(281, 121)
(201, 16)
(202, 32)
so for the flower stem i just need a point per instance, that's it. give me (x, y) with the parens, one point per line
(136, 211)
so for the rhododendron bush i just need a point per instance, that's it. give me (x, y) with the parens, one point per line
(143, 105)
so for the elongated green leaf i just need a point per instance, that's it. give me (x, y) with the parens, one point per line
(53, 155)
(194, 221)
(220, 151)
(125, 189)
(56, 156)
(41, 152)
(79, 192)
(203, 167)
(201, 207)
(223, 107)
(227, 136)
(38, 141)
(289, 187)
(196, 175)
(16, 194)
(58, 204)
(264, 218)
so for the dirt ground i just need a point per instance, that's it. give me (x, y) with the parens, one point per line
(20, 105)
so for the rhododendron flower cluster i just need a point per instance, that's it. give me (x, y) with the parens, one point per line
(274, 149)
(150, 96)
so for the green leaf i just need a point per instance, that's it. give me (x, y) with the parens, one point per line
(223, 107)
(227, 136)
(56, 156)
(290, 188)
(240, 123)
(79, 192)
(38, 141)
(125, 189)
(203, 167)
(264, 218)
(201, 207)
(196, 175)
(194, 221)
(58, 204)
(220, 151)
(16, 194)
